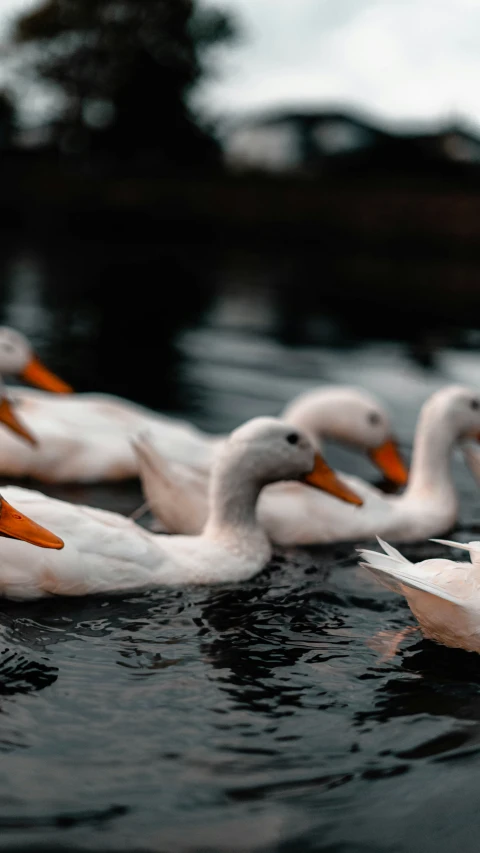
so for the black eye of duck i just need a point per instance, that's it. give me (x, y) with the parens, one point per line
(292, 438)
(374, 418)
(474, 404)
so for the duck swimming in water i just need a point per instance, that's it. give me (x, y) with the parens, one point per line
(106, 552)
(293, 514)
(87, 437)
(443, 595)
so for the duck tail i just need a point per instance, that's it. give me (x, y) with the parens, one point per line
(173, 491)
(473, 548)
(384, 566)
(462, 546)
(396, 572)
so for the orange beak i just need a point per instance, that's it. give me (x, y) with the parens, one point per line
(18, 526)
(36, 374)
(322, 477)
(9, 418)
(387, 458)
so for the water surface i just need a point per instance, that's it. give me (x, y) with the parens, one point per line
(265, 716)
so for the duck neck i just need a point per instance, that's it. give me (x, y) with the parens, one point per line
(430, 471)
(234, 491)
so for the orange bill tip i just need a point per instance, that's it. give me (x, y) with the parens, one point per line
(387, 458)
(18, 526)
(10, 420)
(322, 477)
(37, 374)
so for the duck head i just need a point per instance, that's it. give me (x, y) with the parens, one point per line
(17, 358)
(354, 417)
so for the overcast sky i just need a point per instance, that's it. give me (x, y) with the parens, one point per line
(405, 59)
(398, 59)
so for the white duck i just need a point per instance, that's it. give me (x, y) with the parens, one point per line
(87, 437)
(177, 492)
(443, 595)
(105, 552)
(293, 514)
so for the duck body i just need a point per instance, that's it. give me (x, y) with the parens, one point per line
(443, 595)
(294, 514)
(86, 438)
(105, 552)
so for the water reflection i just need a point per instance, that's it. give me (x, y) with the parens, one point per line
(107, 318)
(112, 317)
(435, 677)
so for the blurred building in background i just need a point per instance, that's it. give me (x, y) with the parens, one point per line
(313, 142)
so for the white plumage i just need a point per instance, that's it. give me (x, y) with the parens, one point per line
(293, 514)
(87, 437)
(443, 595)
(106, 552)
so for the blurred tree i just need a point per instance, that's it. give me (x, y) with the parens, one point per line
(8, 123)
(125, 69)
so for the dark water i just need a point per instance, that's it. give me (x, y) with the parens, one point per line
(255, 717)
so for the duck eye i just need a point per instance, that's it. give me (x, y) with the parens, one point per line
(292, 438)
(474, 404)
(374, 418)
